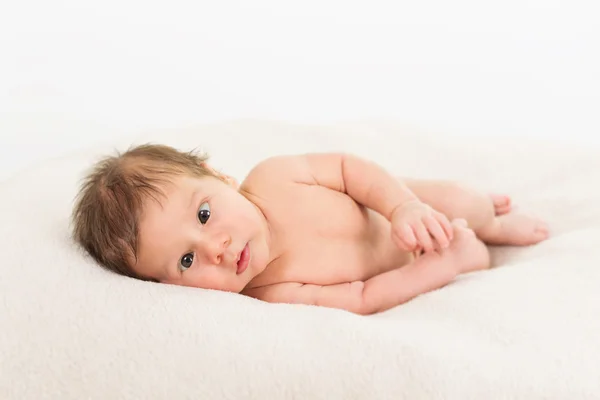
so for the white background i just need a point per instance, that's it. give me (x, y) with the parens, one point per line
(74, 73)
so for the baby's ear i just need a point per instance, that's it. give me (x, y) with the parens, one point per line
(209, 168)
(231, 181)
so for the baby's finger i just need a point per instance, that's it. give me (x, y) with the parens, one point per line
(423, 237)
(404, 238)
(446, 225)
(401, 244)
(436, 230)
(408, 236)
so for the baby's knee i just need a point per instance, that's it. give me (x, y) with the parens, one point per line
(473, 253)
(476, 207)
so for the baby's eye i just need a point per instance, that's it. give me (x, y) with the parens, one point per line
(204, 213)
(186, 261)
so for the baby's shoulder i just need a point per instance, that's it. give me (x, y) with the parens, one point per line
(277, 171)
(281, 166)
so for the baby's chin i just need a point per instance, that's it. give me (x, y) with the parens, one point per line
(236, 286)
(244, 285)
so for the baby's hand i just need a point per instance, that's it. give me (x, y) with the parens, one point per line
(416, 226)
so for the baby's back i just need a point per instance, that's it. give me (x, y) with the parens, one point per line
(324, 237)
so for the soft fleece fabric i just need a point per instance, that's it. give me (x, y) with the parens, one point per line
(527, 329)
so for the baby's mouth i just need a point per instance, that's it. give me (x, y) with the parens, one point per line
(244, 260)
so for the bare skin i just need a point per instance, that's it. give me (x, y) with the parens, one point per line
(488, 214)
(360, 254)
(327, 229)
(427, 272)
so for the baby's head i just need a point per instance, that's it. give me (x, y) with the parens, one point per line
(156, 213)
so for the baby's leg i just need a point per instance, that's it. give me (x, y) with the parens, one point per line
(466, 252)
(436, 269)
(488, 215)
(428, 272)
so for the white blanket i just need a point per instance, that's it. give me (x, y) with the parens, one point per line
(527, 329)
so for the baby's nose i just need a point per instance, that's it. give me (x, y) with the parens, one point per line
(214, 248)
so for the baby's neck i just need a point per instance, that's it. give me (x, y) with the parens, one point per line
(266, 226)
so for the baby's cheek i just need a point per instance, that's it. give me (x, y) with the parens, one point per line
(217, 278)
(196, 278)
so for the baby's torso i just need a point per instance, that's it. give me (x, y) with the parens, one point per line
(325, 237)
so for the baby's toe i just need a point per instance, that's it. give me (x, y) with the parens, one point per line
(542, 229)
(500, 200)
(502, 203)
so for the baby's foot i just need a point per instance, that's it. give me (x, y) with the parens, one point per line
(466, 252)
(502, 203)
(514, 229)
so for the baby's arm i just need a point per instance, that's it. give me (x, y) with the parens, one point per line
(414, 223)
(381, 292)
(365, 181)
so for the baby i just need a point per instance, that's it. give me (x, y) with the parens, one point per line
(330, 230)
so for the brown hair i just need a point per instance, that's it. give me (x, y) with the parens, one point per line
(109, 204)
